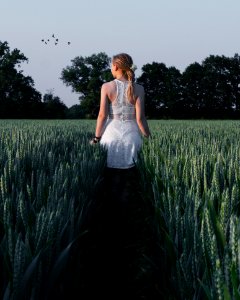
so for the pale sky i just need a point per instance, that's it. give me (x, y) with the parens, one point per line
(174, 32)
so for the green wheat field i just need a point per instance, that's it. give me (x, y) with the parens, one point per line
(189, 179)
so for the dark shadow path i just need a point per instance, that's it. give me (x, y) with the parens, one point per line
(110, 261)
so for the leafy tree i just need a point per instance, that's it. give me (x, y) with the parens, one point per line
(162, 89)
(86, 76)
(75, 112)
(152, 78)
(211, 89)
(18, 97)
(54, 108)
(193, 91)
(173, 104)
(235, 76)
(218, 86)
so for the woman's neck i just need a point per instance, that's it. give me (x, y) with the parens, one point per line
(120, 77)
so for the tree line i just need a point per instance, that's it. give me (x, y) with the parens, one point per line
(210, 89)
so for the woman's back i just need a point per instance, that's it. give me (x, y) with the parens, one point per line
(112, 90)
(120, 106)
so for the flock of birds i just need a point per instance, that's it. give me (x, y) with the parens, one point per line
(55, 39)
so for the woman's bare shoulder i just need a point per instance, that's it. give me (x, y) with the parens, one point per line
(108, 85)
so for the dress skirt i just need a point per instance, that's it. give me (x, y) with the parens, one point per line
(123, 140)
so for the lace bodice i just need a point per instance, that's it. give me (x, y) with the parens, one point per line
(121, 108)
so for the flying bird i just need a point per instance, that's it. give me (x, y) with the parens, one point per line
(55, 41)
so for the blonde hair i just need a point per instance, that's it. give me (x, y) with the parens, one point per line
(124, 62)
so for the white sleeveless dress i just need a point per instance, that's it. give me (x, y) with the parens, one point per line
(121, 137)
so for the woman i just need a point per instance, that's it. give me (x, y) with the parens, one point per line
(121, 123)
(121, 119)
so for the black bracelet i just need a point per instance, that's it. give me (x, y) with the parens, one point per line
(96, 139)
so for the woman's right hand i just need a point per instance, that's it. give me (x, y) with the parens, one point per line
(95, 140)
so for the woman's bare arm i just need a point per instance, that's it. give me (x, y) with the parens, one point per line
(103, 111)
(140, 113)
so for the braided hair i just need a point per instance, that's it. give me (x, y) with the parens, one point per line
(125, 63)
